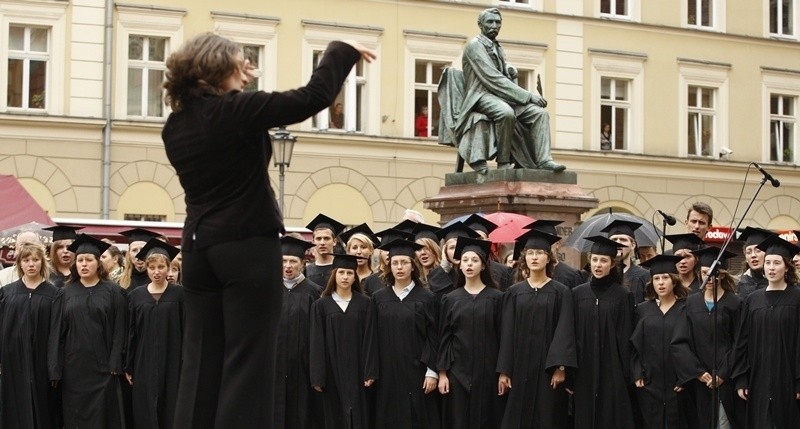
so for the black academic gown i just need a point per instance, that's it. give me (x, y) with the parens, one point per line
(318, 274)
(768, 358)
(749, 283)
(295, 407)
(28, 319)
(469, 329)
(373, 283)
(660, 405)
(567, 276)
(153, 357)
(57, 279)
(344, 354)
(635, 280)
(692, 352)
(603, 327)
(439, 283)
(93, 331)
(538, 337)
(407, 345)
(501, 274)
(138, 278)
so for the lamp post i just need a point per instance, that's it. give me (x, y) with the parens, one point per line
(282, 147)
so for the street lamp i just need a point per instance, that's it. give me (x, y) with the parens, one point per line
(282, 148)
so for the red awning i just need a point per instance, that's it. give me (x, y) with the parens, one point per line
(17, 206)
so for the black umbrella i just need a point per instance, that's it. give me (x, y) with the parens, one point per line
(645, 235)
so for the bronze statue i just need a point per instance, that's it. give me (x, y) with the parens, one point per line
(486, 115)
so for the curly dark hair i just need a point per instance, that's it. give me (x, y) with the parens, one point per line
(199, 67)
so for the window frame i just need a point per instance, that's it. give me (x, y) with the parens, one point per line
(535, 5)
(708, 75)
(717, 16)
(614, 104)
(702, 112)
(425, 46)
(779, 82)
(146, 65)
(795, 21)
(784, 118)
(618, 65)
(253, 30)
(43, 15)
(317, 36)
(148, 21)
(634, 12)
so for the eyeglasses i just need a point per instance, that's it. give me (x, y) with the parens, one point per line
(535, 252)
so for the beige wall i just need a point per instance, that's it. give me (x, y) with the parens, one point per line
(375, 177)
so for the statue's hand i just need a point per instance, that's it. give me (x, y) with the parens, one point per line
(538, 100)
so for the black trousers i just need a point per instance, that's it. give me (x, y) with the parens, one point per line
(232, 298)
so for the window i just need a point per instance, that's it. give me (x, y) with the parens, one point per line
(32, 77)
(614, 8)
(782, 110)
(700, 13)
(426, 101)
(702, 115)
(516, 2)
(781, 17)
(356, 108)
(28, 56)
(617, 102)
(347, 110)
(146, 65)
(615, 107)
(256, 36)
(703, 107)
(145, 36)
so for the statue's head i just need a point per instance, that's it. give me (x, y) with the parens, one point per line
(490, 21)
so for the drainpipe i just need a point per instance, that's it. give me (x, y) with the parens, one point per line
(108, 52)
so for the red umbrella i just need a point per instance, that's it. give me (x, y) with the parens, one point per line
(509, 226)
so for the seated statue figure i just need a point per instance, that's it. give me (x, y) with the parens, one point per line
(486, 115)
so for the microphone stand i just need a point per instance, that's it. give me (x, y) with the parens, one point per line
(712, 275)
(663, 232)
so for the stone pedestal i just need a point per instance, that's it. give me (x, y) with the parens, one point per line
(539, 194)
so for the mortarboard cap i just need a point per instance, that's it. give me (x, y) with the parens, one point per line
(544, 225)
(480, 223)
(139, 234)
(707, 255)
(87, 244)
(391, 234)
(662, 264)
(360, 229)
(407, 225)
(467, 244)
(534, 239)
(400, 247)
(619, 226)
(603, 246)
(752, 235)
(325, 222)
(422, 230)
(775, 245)
(296, 247)
(63, 232)
(684, 241)
(348, 262)
(455, 230)
(156, 246)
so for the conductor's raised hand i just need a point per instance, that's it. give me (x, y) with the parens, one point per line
(366, 54)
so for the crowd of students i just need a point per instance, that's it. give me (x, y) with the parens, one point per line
(418, 327)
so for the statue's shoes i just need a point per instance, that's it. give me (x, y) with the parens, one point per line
(505, 166)
(552, 165)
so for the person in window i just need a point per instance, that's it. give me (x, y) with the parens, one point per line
(605, 137)
(337, 116)
(216, 140)
(421, 123)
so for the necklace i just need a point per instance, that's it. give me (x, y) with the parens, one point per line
(539, 284)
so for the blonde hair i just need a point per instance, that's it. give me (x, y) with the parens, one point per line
(32, 249)
(54, 259)
(199, 67)
(367, 242)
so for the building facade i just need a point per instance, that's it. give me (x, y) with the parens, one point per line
(688, 93)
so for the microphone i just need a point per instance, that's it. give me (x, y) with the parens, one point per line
(775, 182)
(669, 218)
